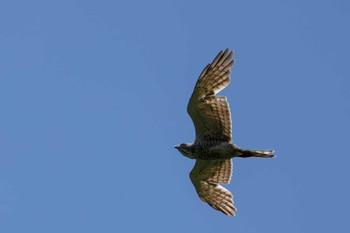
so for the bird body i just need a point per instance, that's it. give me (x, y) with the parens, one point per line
(213, 148)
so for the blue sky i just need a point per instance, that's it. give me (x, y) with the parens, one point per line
(93, 98)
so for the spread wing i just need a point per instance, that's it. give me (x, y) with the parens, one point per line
(206, 176)
(211, 114)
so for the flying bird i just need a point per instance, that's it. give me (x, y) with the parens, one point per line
(213, 148)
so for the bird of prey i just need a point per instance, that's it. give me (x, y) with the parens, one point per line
(213, 148)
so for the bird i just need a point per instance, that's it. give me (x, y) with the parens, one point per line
(212, 148)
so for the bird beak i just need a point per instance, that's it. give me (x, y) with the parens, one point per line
(176, 147)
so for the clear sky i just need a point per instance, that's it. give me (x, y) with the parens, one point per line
(93, 99)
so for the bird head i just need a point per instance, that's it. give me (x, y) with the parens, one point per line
(186, 149)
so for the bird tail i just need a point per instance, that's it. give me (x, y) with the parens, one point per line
(245, 153)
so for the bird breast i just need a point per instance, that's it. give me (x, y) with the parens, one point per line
(222, 150)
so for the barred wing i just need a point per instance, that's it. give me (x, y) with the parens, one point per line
(206, 176)
(211, 114)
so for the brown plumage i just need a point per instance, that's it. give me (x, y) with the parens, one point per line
(206, 176)
(213, 148)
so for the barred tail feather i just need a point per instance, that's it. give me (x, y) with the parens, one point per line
(244, 153)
